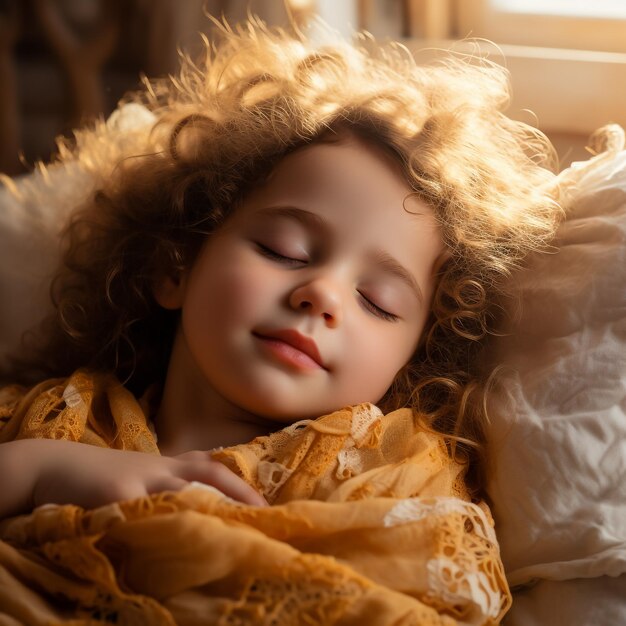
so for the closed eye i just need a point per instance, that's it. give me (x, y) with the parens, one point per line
(376, 310)
(276, 256)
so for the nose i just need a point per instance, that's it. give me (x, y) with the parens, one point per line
(318, 297)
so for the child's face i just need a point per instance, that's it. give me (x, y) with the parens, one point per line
(315, 292)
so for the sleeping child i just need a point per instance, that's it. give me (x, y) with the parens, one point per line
(260, 397)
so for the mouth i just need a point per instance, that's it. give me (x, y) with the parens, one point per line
(292, 347)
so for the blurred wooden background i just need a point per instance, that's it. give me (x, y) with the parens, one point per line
(65, 62)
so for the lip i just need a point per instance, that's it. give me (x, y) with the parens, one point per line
(296, 340)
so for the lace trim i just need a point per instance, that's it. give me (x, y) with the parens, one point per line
(449, 582)
(365, 418)
(460, 575)
(272, 475)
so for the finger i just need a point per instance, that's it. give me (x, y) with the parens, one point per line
(194, 456)
(116, 492)
(219, 476)
(167, 483)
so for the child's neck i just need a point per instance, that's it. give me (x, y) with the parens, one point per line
(189, 420)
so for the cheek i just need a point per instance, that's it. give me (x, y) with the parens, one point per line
(375, 361)
(235, 292)
(390, 345)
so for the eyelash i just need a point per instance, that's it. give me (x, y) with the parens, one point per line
(275, 256)
(376, 310)
(368, 304)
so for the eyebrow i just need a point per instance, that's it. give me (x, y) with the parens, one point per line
(383, 259)
(301, 215)
(391, 266)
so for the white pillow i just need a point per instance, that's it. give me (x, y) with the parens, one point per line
(581, 601)
(558, 433)
(34, 208)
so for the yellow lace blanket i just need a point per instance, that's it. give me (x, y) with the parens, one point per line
(370, 524)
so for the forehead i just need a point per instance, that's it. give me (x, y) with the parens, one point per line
(348, 168)
(351, 182)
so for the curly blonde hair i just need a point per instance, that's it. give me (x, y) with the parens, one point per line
(223, 124)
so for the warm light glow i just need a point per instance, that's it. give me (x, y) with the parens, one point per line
(573, 8)
(301, 5)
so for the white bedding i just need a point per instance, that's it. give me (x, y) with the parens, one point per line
(33, 209)
(558, 437)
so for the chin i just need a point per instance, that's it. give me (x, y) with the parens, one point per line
(289, 414)
(286, 413)
(287, 417)
(283, 405)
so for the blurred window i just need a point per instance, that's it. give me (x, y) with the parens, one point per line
(572, 8)
(579, 24)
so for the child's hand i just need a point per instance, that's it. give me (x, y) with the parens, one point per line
(41, 471)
